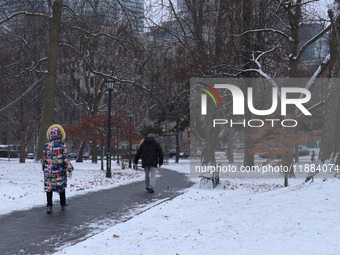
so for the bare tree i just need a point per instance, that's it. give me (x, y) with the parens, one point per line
(330, 146)
(52, 65)
(20, 68)
(87, 35)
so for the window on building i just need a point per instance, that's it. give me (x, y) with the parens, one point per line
(91, 82)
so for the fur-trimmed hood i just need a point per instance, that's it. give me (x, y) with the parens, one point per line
(56, 133)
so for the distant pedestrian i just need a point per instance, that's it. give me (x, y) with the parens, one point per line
(56, 166)
(152, 155)
(313, 157)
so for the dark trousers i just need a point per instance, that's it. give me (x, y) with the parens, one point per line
(62, 196)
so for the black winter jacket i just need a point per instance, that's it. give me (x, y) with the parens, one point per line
(151, 152)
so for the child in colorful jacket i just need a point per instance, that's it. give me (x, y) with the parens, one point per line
(55, 166)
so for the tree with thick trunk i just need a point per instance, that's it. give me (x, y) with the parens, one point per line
(52, 65)
(330, 143)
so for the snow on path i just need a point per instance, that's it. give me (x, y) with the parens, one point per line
(22, 187)
(253, 216)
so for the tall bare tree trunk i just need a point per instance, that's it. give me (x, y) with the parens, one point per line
(248, 47)
(294, 16)
(22, 131)
(94, 152)
(330, 143)
(52, 62)
(231, 145)
(81, 152)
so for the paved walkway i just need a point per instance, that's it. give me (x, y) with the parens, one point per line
(35, 232)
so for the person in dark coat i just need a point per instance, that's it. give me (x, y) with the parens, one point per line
(152, 156)
(55, 165)
(313, 157)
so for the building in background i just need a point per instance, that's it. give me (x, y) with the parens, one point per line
(133, 11)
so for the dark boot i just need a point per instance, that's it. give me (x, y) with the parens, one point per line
(150, 189)
(49, 209)
(63, 207)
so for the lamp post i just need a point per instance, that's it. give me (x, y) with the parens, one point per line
(130, 117)
(117, 145)
(109, 85)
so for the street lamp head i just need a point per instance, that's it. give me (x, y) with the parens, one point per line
(110, 83)
(130, 115)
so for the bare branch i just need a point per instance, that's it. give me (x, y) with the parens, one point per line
(123, 43)
(311, 41)
(313, 107)
(26, 92)
(109, 76)
(318, 72)
(70, 10)
(17, 36)
(266, 30)
(260, 71)
(180, 94)
(24, 13)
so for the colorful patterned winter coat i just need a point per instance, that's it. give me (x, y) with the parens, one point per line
(55, 161)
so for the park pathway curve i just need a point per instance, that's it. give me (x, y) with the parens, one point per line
(36, 232)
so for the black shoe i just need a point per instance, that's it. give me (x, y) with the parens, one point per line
(63, 207)
(150, 190)
(49, 209)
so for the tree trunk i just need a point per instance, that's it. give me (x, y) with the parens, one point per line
(177, 146)
(94, 153)
(22, 131)
(102, 159)
(81, 151)
(211, 139)
(249, 46)
(218, 35)
(330, 143)
(294, 16)
(249, 159)
(286, 180)
(117, 145)
(22, 158)
(177, 141)
(52, 62)
(231, 145)
(296, 153)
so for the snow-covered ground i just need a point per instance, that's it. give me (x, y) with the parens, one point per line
(241, 216)
(22, 187)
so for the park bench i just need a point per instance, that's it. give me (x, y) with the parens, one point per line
(206, 178)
